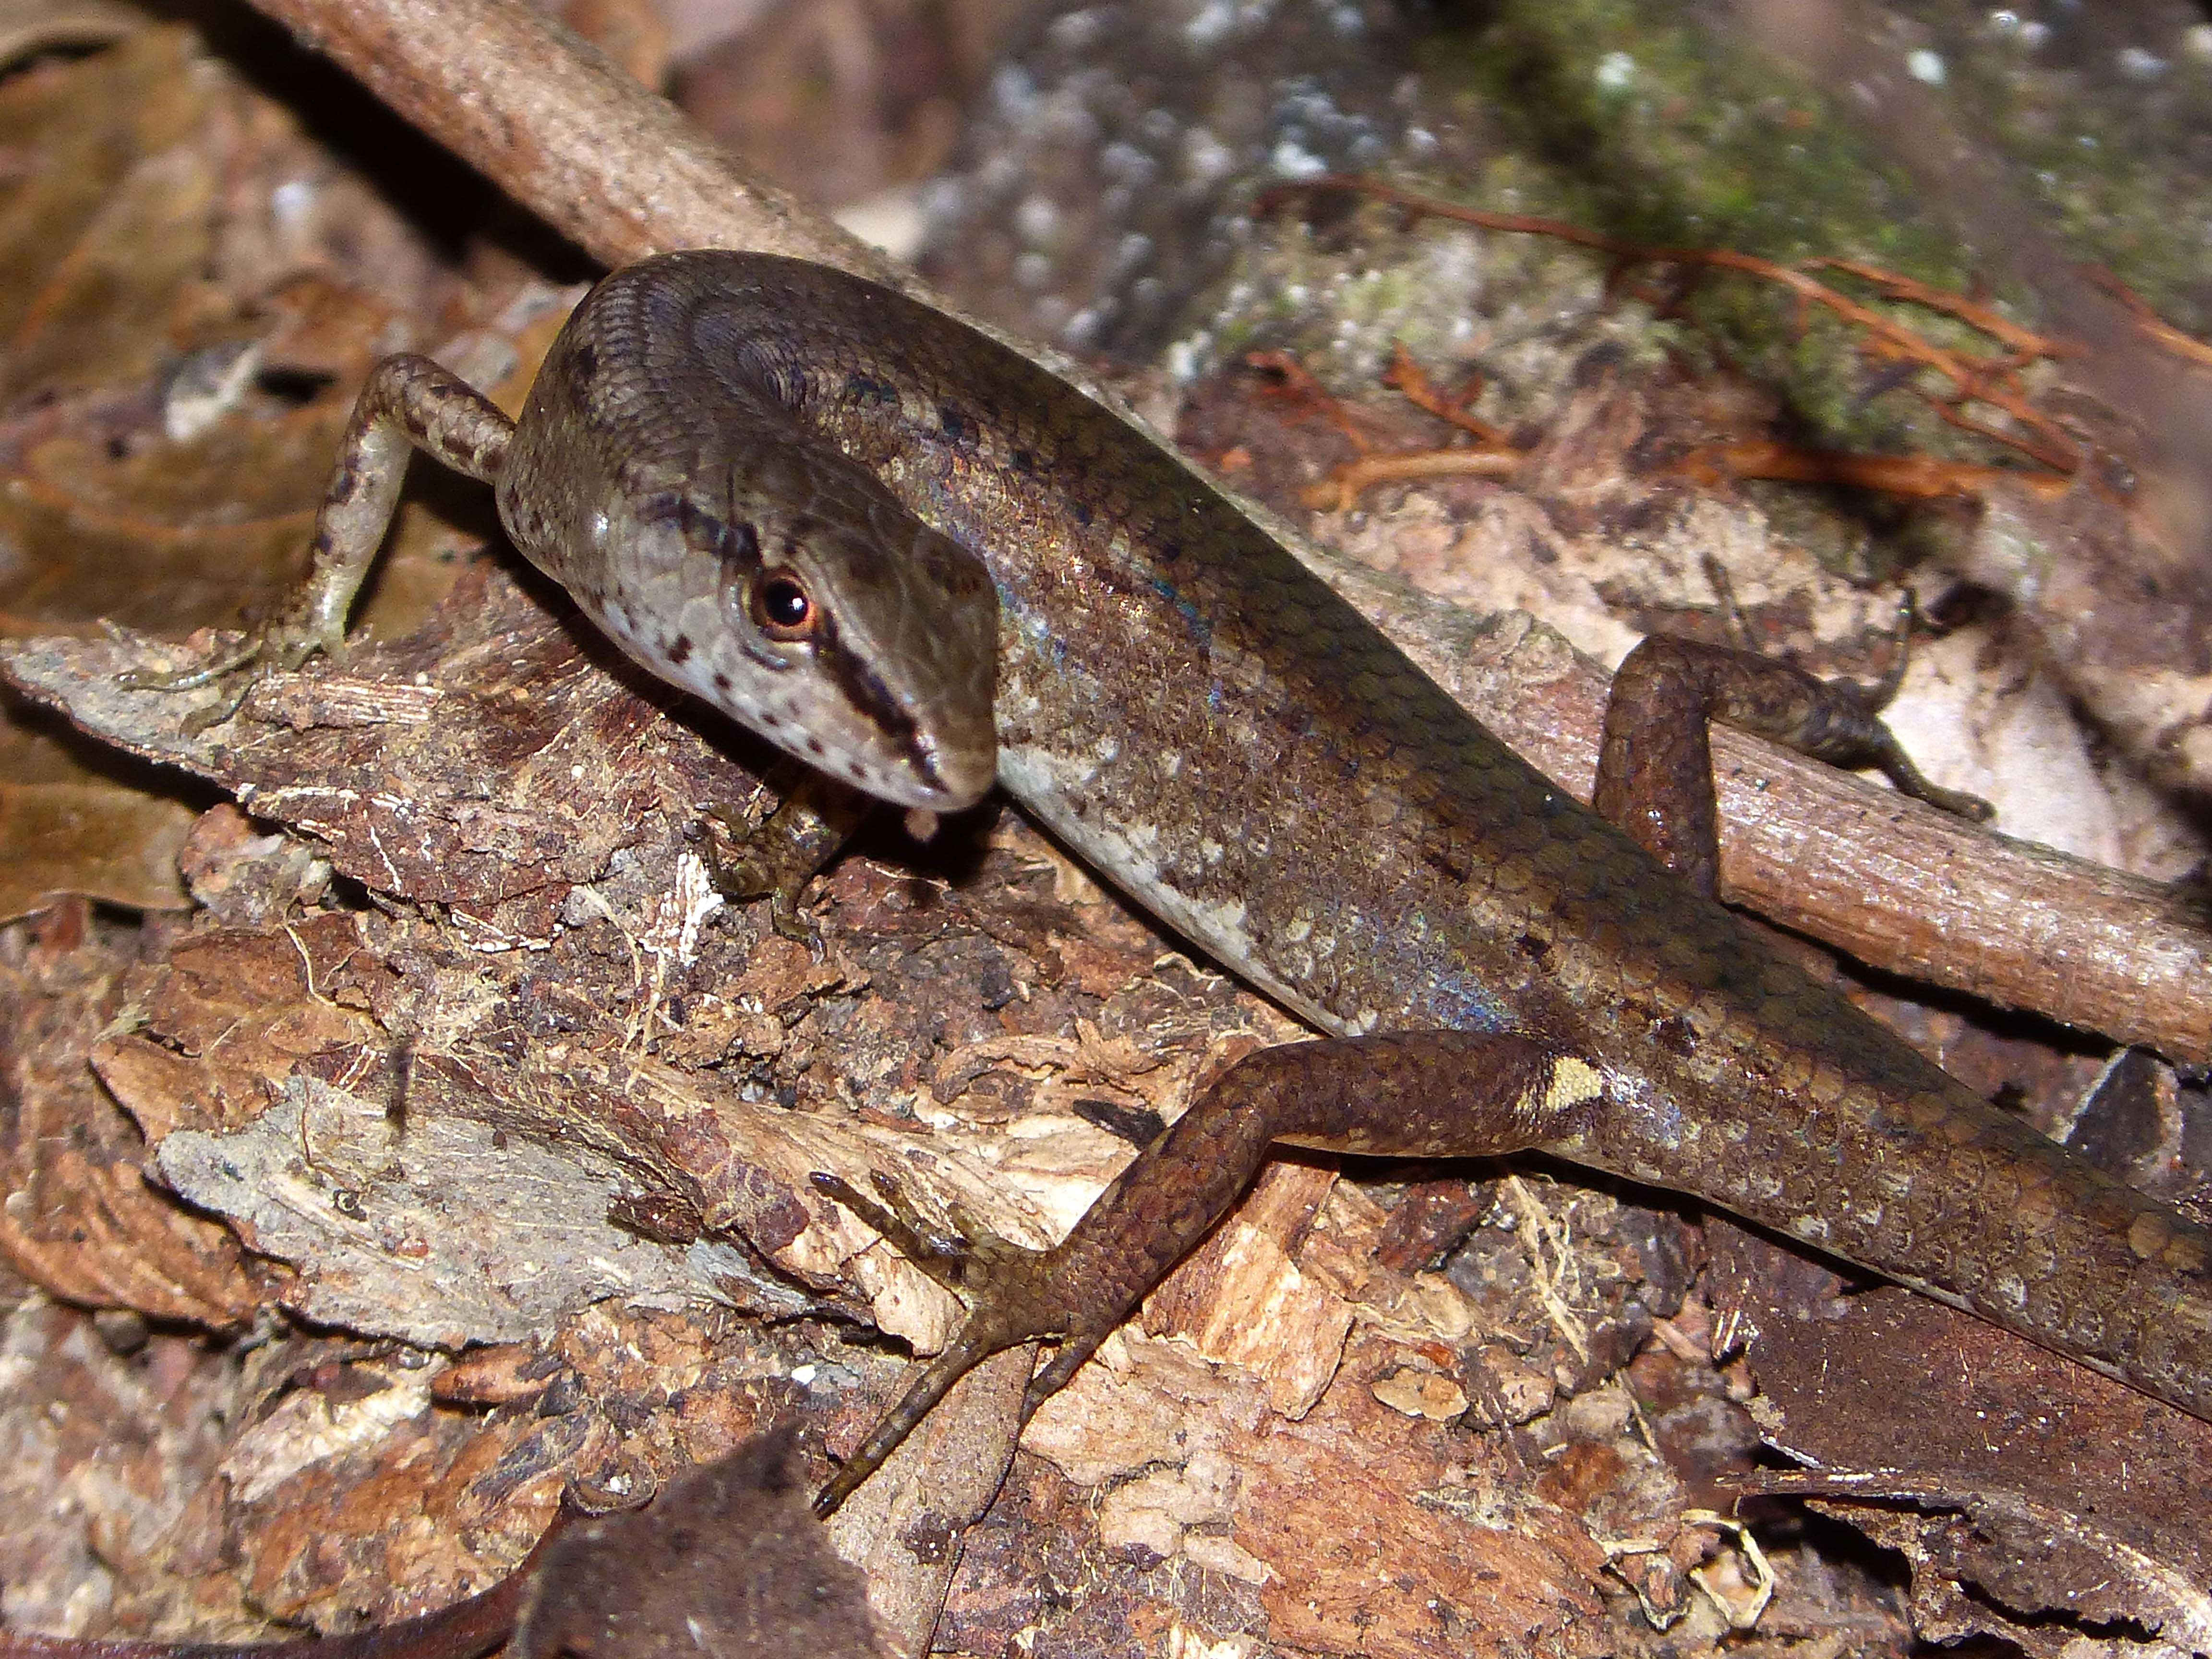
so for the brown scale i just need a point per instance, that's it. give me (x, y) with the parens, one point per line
(1187, 706)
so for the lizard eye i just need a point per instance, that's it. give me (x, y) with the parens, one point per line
(783, 607)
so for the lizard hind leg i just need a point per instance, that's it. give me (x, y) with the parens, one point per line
(1656, 765)
(1427, 1094)
(1009, 1289)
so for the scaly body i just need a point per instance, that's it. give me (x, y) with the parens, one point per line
(1233, 746)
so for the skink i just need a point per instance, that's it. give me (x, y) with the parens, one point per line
(773, 484)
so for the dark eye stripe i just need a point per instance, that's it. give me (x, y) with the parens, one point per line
(738, 544)
(868, 694)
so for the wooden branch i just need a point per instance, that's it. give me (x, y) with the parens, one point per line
(612, 165)
(561, 128)
(1891, 882)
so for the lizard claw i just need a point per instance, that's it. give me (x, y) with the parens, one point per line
(234, 664)
(241, 655)
(774, 855)
(970, 1261)
(1013, 1295)
(275, 647)
(901, 1224)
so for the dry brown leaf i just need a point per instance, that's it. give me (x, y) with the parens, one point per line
(80, 1218)
(72, 822)
(1999, 1465)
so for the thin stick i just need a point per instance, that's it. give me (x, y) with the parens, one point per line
(561, 128)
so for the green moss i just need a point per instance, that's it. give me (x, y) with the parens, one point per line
(2113, 155)
(1634, 119)
(1666, 136)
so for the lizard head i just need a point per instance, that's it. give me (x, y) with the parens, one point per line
(794, 593)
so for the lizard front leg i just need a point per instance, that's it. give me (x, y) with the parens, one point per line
(409, 403)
